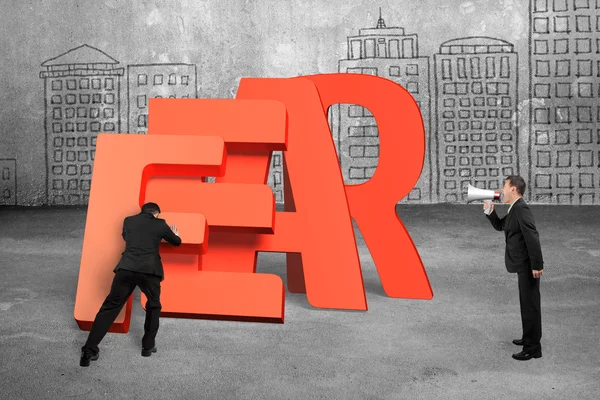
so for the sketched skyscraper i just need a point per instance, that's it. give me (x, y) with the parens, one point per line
(82, 98)
(394, 55)
(476, 98)
(564, 146)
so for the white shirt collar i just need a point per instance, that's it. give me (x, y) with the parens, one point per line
(511, 204)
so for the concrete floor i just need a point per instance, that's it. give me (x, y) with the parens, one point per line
(456, 346)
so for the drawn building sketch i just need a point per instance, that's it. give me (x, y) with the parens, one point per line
(391, 53)
(476, 80)
(564, 148)
(145, 81)
(8, 181)
(275, 179)
(82, 98)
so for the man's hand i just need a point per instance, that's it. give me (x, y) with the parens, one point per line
(175, 230)
(537, 273)
(488, 204)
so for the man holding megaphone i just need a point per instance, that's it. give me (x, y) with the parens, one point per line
(523, 256)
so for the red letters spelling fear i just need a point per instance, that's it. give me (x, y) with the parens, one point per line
(223, 225)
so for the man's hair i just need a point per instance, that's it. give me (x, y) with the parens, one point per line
(518, 182)
(150, 208)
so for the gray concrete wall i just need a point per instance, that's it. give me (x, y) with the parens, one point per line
(538, 119)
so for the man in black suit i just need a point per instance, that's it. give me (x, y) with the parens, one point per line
(140, 265)
(523, 256)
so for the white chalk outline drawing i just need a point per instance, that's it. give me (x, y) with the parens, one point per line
(562, 61)
(8, 172)
(391, 53)
(167, 79)
(82, 97)
(476, 84)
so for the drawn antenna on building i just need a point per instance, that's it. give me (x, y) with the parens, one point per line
(380, 21)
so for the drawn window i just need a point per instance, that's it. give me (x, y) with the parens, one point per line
(563, 68)
(57, 113)
(449, 102)
(109, 113)
(477, 88)
(540, 46)
(394, 48)
(369, 71)
(69, 112)
(407, 48)
(412, 69)
(109, 127)
(582, 23)
(370, 48)
(109, 98)
(540, 25)
(504, 67)
(475, 68)
(561, 24)
(581, 4)
(142, 121)
(71, 99)
(584, 114)
(109, 84)
(84, 83)
(583, 45)
(506, 101)
(461, 68)
(158, 79)
(446, 69)
(69, 127)
(561, 46)
(541, 6)
(82, 141)
(542, 68)
(57, 127)
(94, 112)
(57, 84)
(542, 116)
(381, 48)
(71, 84)
(355, 49)
(81, 126)
(584, 136)
(413, 87)
(584, 89)
(355, 111)
(562, 115)
(96, 98)
(95, 126)
(465, 102)
(479, 101)
(81, 112)
(172, 79)
(141, 101)
(490, 67)
(584, 68)
(560, 5)
(276, 160)
(142, 79)
(541, 90)
(492, 88)
(95, 83)
(394, 71)
(84, 98)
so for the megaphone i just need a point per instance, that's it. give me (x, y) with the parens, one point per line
(474, 194)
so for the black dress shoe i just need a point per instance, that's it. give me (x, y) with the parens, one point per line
(523, 356)
(86, 357)
(518, 342)
(148, 352)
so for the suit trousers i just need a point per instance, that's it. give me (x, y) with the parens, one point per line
(122, 287)
(531, 315)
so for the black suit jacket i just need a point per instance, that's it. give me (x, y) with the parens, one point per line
(143, 234)
(523, 251)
